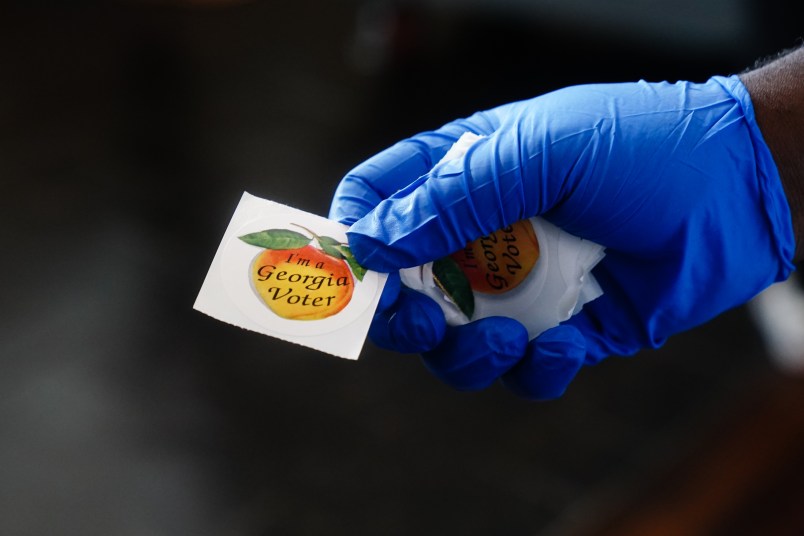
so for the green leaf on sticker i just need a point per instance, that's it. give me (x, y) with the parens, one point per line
(453, 282)
(357, 269)
(331, 246)
(276, 239)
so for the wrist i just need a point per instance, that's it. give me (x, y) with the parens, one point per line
(777, 93)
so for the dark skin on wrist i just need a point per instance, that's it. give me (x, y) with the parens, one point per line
(777, 91)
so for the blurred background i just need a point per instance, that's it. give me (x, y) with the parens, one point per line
(129, 130)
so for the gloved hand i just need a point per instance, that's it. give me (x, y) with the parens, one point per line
(674, 180)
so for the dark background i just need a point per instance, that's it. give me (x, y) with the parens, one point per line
(128, 131)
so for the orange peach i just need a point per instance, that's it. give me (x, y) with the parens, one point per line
(500, 261)
(302, 283)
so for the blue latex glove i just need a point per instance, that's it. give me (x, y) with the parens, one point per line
(674, 179)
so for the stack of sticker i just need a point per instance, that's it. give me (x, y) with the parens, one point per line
(531, 271)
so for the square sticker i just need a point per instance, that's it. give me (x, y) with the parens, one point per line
(290, 274)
